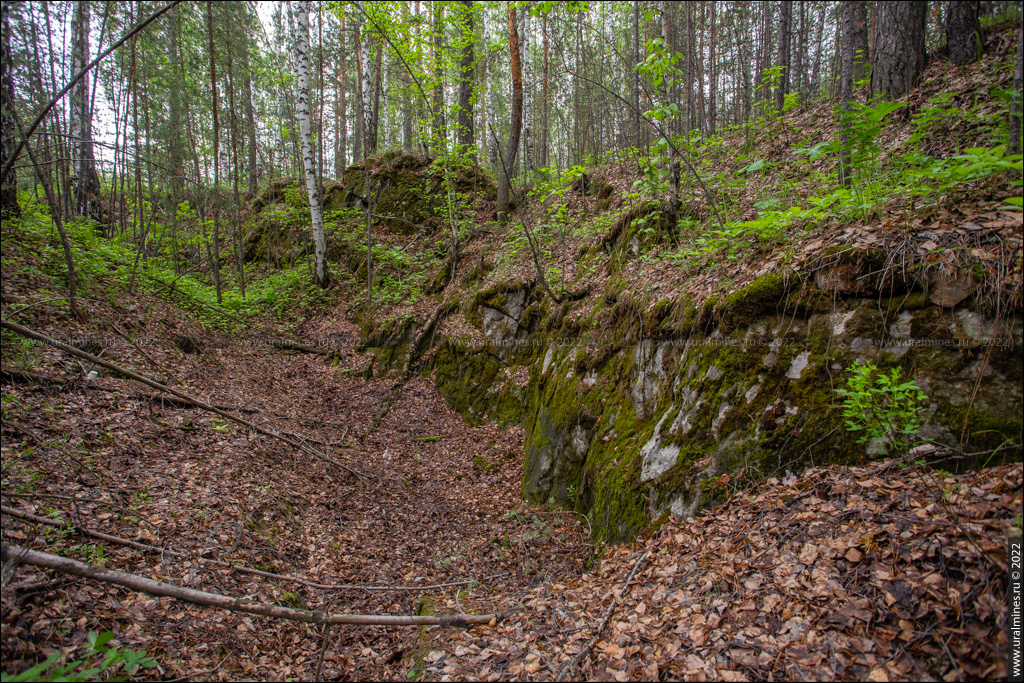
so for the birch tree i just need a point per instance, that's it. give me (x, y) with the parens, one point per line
(300, 8)
(366, 113)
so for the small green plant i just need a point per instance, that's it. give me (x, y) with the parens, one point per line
(881, 406)
(92, 667)
(572, 494)
(479, 463)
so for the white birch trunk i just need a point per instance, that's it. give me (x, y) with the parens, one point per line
(300, 58)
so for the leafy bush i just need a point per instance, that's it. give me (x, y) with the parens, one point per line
(98, 660)
(882, 407)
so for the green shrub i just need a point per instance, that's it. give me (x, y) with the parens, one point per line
(92, 667)
(881, 407)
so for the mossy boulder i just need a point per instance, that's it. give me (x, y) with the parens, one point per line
(409, 191)
(641, 406)
(278, 230)
(675, 416)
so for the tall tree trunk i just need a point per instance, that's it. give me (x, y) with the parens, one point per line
(963, 32)
(215, 256)
(341, 104)
(545, 102)
(235, 168)
(900, 54)
(527, 63)
(635, 76)
(301, 60)
(785, 41)
(439, 123)
(365, 92)
(516, 123)
(407, 108)
(250, 113)
(1014, 146)
(466, 134)
(175, 151)
(797, 81)
(699, 70)
(858, 38)
(358, 120)
(375, 109)
(320, 104)
(88, 185)
(853, 28)
(816, 69)
(8, 142)
(713, 75)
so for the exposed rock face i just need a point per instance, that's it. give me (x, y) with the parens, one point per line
(409, 193)
(626, 428)
(408, 190)
(647, 407)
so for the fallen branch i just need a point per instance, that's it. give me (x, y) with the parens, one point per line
(144, 585)
(23, 377)
(35, 519)
(145, 355)
(15, 376)
(585, 652)
(32, 334)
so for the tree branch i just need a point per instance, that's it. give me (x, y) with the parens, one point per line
(79, 76)
(32, 334)
(196, 597)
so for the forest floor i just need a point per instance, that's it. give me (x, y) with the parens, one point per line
(438, 522)
(887, 572)
(842, 573)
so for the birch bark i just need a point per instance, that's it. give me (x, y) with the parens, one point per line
(300, 9)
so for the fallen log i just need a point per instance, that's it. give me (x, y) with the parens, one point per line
(85, 531)
(274, 434)
(142, 584)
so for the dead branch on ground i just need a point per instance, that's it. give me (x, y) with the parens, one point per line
(32, 334)
(142, 584)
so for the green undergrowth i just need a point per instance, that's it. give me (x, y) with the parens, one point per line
(108, 266)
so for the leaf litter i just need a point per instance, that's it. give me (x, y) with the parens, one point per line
(842, 573)
(435, 527)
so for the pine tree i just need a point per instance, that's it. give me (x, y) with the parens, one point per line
(899, 53)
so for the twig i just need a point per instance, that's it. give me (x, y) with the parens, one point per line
(32, 334)
(585, 652)
(56, 497)
(35, 519)
(145, 355)
(26, 377)
(198, 674)
(323, 648)
(145, 585)
(17, 427)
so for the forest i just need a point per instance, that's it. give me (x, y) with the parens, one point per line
(486, 340)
